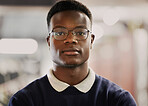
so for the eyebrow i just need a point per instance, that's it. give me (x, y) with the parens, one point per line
(59, 26)
(79, 26)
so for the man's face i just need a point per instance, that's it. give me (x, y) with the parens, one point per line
(70, 52)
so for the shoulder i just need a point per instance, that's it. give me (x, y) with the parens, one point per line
(114, 93)
(106, 84)
(25, 96)
(35, 85)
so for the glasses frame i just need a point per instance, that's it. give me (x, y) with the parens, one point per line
(88, 31)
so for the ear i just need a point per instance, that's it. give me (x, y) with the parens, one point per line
(92, 39)
(48, 40)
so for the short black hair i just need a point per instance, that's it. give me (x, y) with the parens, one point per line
(64, 5)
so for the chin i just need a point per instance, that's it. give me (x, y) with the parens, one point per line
(71, 65)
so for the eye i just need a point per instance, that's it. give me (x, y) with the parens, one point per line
(59, 33)
(81, 33)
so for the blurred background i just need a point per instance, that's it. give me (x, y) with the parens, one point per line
(120, 51)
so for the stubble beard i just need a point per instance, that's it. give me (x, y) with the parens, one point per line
(62, 64)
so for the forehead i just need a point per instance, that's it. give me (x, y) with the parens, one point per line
(70, 19)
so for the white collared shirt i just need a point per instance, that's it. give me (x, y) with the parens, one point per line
(83, 86)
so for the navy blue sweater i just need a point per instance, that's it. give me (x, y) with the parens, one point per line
(102, 93)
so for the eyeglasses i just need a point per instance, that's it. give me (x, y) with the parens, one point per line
(62, 33)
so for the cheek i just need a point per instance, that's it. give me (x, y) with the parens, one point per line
(54, 47)
(86, 48)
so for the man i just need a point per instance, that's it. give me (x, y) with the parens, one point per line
(71, 82)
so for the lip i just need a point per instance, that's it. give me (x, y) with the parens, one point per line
(71, 51)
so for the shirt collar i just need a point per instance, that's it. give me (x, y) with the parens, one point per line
(83, 86)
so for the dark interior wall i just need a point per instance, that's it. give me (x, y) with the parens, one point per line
(27, 2)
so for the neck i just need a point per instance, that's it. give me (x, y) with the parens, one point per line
(71, 75)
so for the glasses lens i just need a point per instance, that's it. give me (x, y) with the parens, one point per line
(80, 33)
(60, 33)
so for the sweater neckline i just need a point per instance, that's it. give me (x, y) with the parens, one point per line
(83, 86)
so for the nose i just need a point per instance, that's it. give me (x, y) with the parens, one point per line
(70, 39)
